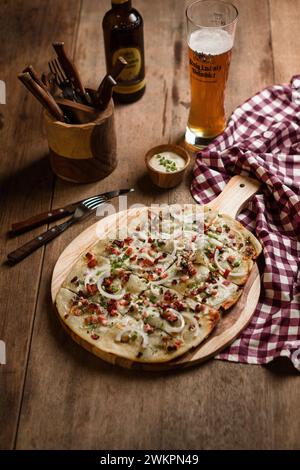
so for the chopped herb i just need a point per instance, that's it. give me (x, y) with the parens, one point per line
(169, 165)
(236, 263)
(116, 264)
(133, 336)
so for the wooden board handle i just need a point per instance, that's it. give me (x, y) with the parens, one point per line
(235, 195)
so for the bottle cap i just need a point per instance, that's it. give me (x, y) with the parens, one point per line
(118, 2)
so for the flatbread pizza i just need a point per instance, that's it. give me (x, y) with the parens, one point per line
(157, 293)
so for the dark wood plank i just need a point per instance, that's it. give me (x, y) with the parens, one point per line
(26, 32)
(72, 399)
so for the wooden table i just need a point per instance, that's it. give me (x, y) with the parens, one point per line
(54, 394)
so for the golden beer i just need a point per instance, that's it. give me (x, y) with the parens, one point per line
(208, 75)
(210, 49)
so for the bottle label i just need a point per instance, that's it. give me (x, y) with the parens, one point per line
(129, 80)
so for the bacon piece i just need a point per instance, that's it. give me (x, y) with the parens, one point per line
(76, 311)
(91, 289)
(178, 305)
(92, 262)
(147, 262)
(94, 336)
(174, 346)
(91, 320)
(170, 316)
(226, 273)
(102, 319)
(148, 328)
(112, 308)
(94, 308)
(191, 269)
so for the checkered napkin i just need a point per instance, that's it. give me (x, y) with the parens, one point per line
(262, 140)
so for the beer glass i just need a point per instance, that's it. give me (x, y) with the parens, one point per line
(210, 27)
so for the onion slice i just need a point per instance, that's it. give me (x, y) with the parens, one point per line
(142, 334)
(175, 329)
(222, 270)
(117, 296)
(90, 277)
(239, 236)
(153, 287)
(242, 274)
(194, 322)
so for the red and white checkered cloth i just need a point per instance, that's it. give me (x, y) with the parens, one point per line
(262, 140)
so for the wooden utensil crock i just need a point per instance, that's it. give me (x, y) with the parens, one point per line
(83, 153)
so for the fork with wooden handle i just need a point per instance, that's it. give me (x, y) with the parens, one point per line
(71, 71)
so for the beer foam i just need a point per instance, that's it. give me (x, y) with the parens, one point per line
(211, 41)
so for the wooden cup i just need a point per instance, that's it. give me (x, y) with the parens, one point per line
(83, 153)
(166, 180)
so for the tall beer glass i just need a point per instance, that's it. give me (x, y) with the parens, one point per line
(210, 27)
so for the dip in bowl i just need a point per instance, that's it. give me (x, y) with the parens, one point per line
(166, 164)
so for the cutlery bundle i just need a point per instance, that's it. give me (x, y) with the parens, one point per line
(62, 93)
(78, 211)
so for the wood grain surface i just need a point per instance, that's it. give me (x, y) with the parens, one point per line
(53, 394)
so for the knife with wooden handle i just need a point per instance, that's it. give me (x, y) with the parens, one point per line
(105, 91)
(44, 218)
(118, 67)
(81, 113)
(55, 214)
(25, 250)
(44, 97)
(71, 71)
(32, 72)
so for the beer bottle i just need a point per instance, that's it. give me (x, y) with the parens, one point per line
(124, 36)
